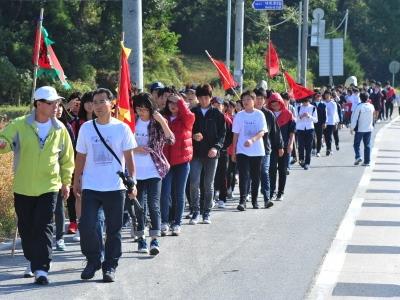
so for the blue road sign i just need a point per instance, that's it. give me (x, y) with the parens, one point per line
(268, 4)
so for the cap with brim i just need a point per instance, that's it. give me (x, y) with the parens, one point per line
(218, 100)
(156, 86)
(47, 93)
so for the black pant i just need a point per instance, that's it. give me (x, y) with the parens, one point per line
(389, 109)
(230, 177)
(249, 168)
(328, 136)
(317, 143)
(278, 164)
(336, 135)
(35, 226)
(71, 207)
(220, 181)
(305, 142)
(59, 217)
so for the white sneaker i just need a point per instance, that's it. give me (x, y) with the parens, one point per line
(318, 154)
(28, 272)
(60, 245)
(221, 204)
(164, 229)
(195, 219)
(41, 277)
(176, 230)
(76, 237)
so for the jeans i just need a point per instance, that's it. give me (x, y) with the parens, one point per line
(278, 164)
(305, 142)
(112, 203)
(150, 189)
(172, 202)
(35, 226)
(265, 177)
(328, 136)
(249, 170)
(209, 167)
(59, 217)
(366, 138)
(220, 182)
(389, 109)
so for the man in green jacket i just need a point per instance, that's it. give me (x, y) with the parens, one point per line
(43, 165)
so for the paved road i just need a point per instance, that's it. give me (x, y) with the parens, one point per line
(257, 254)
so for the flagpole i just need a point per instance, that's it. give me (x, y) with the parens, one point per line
(284, 78)
(269, 54)
(119, 77)
(220, 72)
(36, 58)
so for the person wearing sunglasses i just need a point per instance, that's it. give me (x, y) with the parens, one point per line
(44, 163)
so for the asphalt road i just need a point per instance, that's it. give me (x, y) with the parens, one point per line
(256, 254)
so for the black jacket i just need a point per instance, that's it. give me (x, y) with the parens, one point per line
(321, 111)
(273, 139)
(212, 127)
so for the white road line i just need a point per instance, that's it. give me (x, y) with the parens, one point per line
(333, 262)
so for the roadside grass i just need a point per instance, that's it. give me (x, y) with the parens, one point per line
(9, 112)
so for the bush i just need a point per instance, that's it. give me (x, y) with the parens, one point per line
(9, 112)
(7, 216)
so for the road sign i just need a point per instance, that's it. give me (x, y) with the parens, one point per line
(318, 27)
(331, 57)
(394, 67)
(268, 4)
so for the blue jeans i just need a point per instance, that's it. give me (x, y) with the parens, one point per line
(90, 225)
(209, 167)
(59, 217)
(149, 189)
(173, 193)
(265, 180)
(366, 138)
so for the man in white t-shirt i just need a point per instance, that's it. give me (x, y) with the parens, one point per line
(248, 128)
(97, 182)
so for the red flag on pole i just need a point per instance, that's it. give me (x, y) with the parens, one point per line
(272, 61)
(124, 90)
(225, 76)
(297, 91)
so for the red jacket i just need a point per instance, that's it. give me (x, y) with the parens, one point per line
(182, 151)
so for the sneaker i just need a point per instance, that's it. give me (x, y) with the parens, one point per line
(337, 148)
(142, 246)
(294, 160)
(357, 162)
(195, 219)
(109, 275)
(248, 198)
(287, 172)
(328, 152)
(318, 154)
(72, 228)
(189, 216)
(76, 237)
(313, 152)
(268, 204)
(164, 229)
(255, 205)
(206, 219)
(279, 197)
(213, 203)
(306, 167)
(301, 163)
(365, 164)
(60, 245)
(273, 196)
(176, 230)
(28, 272)
(89, 271)
(154, 247)
(41, 277)
(221, 204)
(241, 207)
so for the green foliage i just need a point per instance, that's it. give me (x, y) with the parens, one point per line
(10, 112)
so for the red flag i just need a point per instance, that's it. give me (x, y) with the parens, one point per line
(225, 76)
(272, 61)
(124, 90)
(298, 91)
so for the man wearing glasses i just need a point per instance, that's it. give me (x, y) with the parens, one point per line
(97, 184)
(43, 165)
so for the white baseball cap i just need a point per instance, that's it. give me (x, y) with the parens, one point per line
(47, 93)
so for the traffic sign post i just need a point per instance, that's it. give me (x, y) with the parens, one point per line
(394, 68)
(268, 4)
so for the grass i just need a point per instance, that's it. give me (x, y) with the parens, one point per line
(9, 112)
(7, 216)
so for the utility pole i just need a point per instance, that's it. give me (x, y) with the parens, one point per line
(228, 34)
(132, 26)
(239, 25)
(299, 42)
(304, 44)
